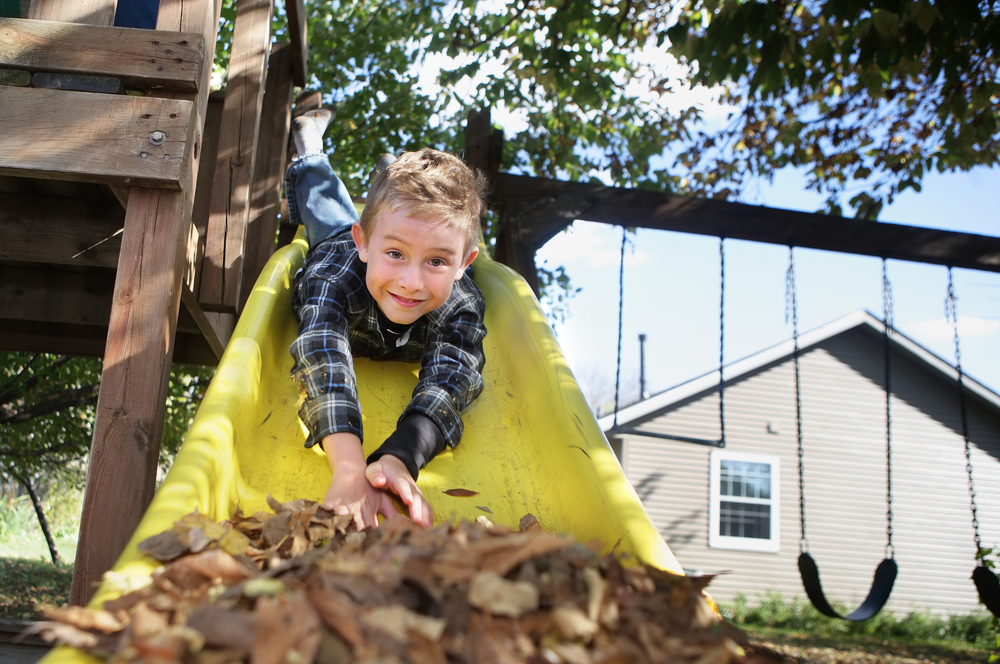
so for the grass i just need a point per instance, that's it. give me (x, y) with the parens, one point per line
(27, 574)
(25, 582)
(21, 536)
(797, 630)
(854, 649)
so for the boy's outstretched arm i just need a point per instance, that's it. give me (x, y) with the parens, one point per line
(350, 491)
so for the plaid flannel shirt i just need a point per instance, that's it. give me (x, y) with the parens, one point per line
(338, 319)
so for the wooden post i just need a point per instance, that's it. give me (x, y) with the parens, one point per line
(270, 168)
(121, 476)
(483, 150)
(222, 268)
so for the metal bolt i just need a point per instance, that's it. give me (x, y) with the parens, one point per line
(157, 137)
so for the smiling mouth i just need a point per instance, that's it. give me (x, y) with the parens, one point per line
(405, 301)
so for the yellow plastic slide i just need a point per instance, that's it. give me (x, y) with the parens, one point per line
(531, 443)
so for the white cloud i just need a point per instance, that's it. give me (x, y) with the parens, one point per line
(939, 329)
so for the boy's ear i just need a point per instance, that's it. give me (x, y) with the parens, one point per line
(467, 262)
(360, 241)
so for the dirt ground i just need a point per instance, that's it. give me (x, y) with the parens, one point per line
(803, 649)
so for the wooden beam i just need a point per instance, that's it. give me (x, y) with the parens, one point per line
(561, 202)
(113, 139)
(142, 59)
(89, 340)
(121, 477)
(300, 43)
(216, 336)
(90, 12)
(483, 144)
(40, 229)
(222, 268)
(203, 190)
(56, 296)
(81, 297)
(269, 172)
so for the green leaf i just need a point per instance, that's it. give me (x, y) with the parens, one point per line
(886, 22)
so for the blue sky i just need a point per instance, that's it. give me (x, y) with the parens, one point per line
(672, 288)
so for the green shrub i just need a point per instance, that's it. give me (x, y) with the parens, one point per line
(17, 515)
(772, 611)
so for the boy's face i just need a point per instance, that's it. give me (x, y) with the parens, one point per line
(412, 263)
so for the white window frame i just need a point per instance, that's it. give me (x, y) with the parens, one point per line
(715, 540)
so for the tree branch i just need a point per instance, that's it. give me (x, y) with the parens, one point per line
(7, 388)
(54, 403)
(40, 513)
(37, 453)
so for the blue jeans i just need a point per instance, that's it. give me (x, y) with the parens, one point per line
(317, 199)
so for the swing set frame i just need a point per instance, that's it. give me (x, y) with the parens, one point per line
(986, 581)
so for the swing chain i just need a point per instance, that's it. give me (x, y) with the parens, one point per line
(722, 339)
(887, 328)
(951, 315)
(621, 308)
(792, 312)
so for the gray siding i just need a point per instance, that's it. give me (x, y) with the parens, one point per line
(843, 412)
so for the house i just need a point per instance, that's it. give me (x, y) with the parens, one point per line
(756, 536)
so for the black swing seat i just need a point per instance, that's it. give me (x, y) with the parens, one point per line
(988, 587)
(885, 576)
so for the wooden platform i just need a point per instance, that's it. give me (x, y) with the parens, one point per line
(15, 649)
(59, 250)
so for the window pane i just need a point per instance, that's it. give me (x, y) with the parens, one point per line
(744, 520)
(742, 479)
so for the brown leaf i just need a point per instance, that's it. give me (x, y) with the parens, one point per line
(285, 625)
(128, 600)
(198, 531)
(396, 622)
(529, 523)
(175, 644)
(484, 643)
(234, 542)
(164, 547)
(461, 493)
(225, 628)
(146, 622)
(83, 618)
(63, 634)
(494, 594)
(181, 577)
(276, 529)
(336, 610)
(218, 565)
(537, 545)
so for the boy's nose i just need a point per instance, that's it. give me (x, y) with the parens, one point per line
(410, 278)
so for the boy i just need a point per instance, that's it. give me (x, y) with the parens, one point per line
(392, 285)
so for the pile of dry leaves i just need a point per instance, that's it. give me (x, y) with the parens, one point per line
(301, 585)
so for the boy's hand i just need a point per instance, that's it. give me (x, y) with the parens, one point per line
(350, 492)
(391, 474)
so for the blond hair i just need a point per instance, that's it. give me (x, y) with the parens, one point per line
(431, 185)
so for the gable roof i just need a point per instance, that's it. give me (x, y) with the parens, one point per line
(784, 351)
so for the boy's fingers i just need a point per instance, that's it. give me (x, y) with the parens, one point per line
(370, 516)
(388, 508)
(404, 492)
(420, 512)
(376, 477)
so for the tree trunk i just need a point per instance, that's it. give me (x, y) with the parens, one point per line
(42, 521)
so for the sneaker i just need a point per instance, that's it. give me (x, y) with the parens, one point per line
(308, 130)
